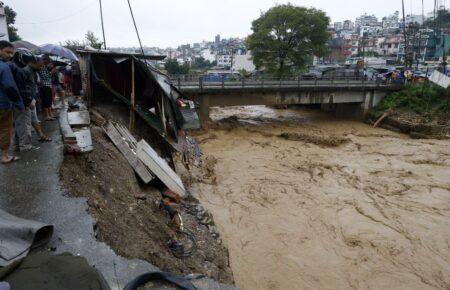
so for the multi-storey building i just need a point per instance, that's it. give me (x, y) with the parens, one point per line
(391, 21)
(366, 20)
(348, 25)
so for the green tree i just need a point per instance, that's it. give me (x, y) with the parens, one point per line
(10, 20)
(286, 37)
(442, 20)
(93, 41)
(201, 63)
(89, 40)
(174, 68)
(73, 45)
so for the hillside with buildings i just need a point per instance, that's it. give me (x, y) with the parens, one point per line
(381, 42)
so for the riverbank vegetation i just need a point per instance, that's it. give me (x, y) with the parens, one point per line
(427, 100)
(419, 110)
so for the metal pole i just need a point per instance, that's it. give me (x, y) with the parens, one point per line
(135, 27)
(404, 32)
(103, 26)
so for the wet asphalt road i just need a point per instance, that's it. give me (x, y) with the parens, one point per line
(30, 188)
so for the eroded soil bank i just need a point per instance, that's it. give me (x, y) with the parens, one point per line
(129, 216)
(305, 201)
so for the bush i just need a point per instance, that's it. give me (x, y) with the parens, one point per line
(421, 99)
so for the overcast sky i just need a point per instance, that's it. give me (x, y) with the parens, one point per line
(165, 23)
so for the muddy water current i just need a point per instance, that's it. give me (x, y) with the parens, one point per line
(306, 201)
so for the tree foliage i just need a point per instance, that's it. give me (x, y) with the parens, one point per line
(73, 45)
(10, 20)
(442, 19)
(286, 37)
(422, 99)
(201, 63)
(93, 41)
(174, 68)
(90, 40)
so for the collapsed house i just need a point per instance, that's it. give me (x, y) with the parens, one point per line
(132, 81)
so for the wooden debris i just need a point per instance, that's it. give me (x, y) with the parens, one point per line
(384, 116)
(160, 168)
(122, 142)
(171, 195)
(97, 118)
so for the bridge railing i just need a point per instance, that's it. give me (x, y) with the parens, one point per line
(235, 82)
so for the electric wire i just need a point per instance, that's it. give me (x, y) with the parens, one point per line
(61, 18)
(135, 27)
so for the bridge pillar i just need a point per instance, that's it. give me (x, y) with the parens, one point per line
(204, 105)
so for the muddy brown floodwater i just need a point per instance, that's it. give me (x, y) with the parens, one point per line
(305, 201)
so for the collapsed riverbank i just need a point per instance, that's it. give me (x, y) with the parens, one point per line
(129, 216)
(422, 111)
(299, 210)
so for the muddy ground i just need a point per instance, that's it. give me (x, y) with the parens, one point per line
(418, 126)
(306, 201)
(130, 219)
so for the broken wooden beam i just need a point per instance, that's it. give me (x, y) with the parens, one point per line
(160, 168)
(120, 142)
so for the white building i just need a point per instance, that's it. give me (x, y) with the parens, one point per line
(414, 19)
(224, 60)
(369, 30)
(391, 21)
(348, 25)
(3, 26)
(208, 55)
(338, 26)
(366, 20)
(244, 61)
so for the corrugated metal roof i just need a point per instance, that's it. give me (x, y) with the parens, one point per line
(122, 54)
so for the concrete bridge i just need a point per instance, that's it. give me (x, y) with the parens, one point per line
(345, 97)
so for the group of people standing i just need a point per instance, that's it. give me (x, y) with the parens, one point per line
(28, 84)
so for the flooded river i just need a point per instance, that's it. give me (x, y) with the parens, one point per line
(305, 201)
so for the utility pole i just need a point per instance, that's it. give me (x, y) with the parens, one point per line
(404, 34)
(444, 56)
(103, 26)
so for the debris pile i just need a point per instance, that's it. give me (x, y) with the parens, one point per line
(321, 140)
(155, 220)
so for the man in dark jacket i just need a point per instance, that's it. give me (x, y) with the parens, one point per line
(9, 99)
(33, 66)
(22, 118)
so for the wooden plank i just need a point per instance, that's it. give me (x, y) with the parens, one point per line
(84, 140)
(141, 170)
(132, 98)
(160, 168)
(80, 118)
